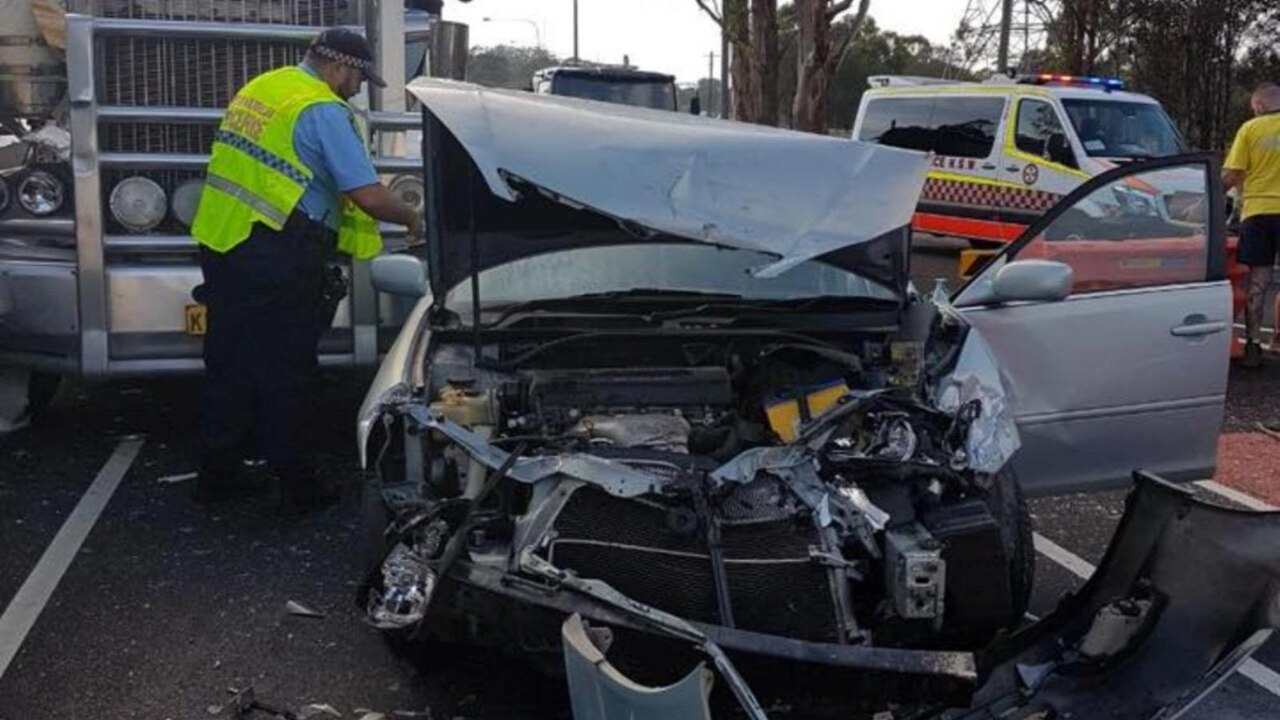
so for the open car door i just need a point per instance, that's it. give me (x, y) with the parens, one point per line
(1129, 370)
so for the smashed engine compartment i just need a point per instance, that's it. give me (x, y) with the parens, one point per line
(788, 488)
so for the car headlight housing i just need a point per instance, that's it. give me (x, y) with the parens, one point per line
(41, 193)
(411, 191)
(185, 200)
(4, 195)
(138, 203)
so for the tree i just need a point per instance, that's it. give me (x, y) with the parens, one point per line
(752, 30)
(507, 66)
(819, 57)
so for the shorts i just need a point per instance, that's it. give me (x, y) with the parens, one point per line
(1259, 239)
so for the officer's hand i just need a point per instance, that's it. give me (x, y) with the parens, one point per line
(417, 233)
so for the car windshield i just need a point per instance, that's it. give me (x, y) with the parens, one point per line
(656, 95)
(1110, 128)
(702, 269)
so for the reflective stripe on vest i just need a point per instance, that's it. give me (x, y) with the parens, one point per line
(254, 174)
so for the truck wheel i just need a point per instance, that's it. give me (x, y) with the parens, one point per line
(24, 396)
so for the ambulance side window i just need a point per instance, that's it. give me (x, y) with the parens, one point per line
(952, 126)
(966, 126)
(899, 122)
(1040, 133)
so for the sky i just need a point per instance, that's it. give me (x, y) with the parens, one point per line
(671, 36)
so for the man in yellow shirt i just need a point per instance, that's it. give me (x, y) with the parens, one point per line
(1253, 166)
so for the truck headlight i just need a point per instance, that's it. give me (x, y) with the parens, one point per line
(411, 191)
(41, 193)
(185, 200)
(138, 203)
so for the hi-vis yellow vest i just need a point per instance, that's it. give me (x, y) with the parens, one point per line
(254, 175)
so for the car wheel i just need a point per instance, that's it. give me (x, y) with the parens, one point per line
(1009, 507)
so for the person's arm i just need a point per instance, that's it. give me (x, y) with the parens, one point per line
(1237, 162)
(348, 161)
(378, 201)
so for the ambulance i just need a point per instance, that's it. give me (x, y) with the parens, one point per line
(1008, 149)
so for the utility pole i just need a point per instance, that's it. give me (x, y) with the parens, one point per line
(1006, 27)
(711, 84)
(725, 111)
(575, 32)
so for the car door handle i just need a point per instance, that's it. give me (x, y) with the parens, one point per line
(1013, 168)
(989, 166)
(1198, 329)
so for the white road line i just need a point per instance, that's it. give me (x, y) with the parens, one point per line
(1265, 677)
(1064, 557)
(1236, 496)
(35, 592)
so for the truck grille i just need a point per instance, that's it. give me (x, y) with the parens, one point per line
(180, 72)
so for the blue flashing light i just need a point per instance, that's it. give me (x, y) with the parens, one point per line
(1105, 83)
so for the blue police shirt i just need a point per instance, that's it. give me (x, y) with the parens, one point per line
(325, 142)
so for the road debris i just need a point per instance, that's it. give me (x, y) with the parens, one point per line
(315, 710)
(244, 702)
(293, 607)
(179, 478)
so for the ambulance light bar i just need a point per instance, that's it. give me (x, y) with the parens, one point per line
(1078, 80)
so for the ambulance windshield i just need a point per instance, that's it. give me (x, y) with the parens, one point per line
(1110, 128)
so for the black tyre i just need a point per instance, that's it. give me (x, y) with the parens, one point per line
(1009, 507)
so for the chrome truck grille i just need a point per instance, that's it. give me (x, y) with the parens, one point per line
(183, 72)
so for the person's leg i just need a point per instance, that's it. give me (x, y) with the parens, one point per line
(287, 365)
(1257, 249)
(226, 397)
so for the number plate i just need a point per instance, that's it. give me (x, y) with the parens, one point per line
(196, 318)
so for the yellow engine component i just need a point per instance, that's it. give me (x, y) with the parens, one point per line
(787, 413)
(467, 407)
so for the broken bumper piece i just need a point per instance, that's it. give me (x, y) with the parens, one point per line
(1186, 592)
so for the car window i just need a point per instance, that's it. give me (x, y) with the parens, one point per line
(1110, 128)
(1038, 126)
(953, 126)
(1146, 229)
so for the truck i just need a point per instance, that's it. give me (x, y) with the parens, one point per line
(619, 84)
(107, 114)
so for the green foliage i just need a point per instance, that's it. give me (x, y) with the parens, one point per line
(872, 52)
(507, 66)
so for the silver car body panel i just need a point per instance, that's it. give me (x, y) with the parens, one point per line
(794, 195)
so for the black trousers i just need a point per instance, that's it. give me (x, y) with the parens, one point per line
(265, 317)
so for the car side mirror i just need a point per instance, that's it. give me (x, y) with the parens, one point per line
(1032, 281)
(1059, 150)
(403, 275)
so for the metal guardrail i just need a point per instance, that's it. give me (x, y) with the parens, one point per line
(93, 244)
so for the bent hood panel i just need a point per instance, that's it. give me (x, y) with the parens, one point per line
(794, 195)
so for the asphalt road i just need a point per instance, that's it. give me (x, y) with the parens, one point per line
(168, 604)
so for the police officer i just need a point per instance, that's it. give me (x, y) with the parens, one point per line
(289, 181)
(1253, 166)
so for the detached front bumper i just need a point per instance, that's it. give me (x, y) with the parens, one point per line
(1206, 578)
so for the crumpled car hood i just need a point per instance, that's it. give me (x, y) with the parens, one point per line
(794, 195)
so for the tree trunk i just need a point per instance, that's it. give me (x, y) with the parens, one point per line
(765, 56)
(817, 60)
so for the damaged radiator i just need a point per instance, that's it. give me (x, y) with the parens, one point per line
(653, 553)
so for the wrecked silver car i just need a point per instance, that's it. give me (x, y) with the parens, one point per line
(669, 376)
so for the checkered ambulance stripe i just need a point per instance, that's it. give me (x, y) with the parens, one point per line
(983, 195)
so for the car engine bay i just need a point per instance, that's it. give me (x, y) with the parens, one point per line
(770, 482)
